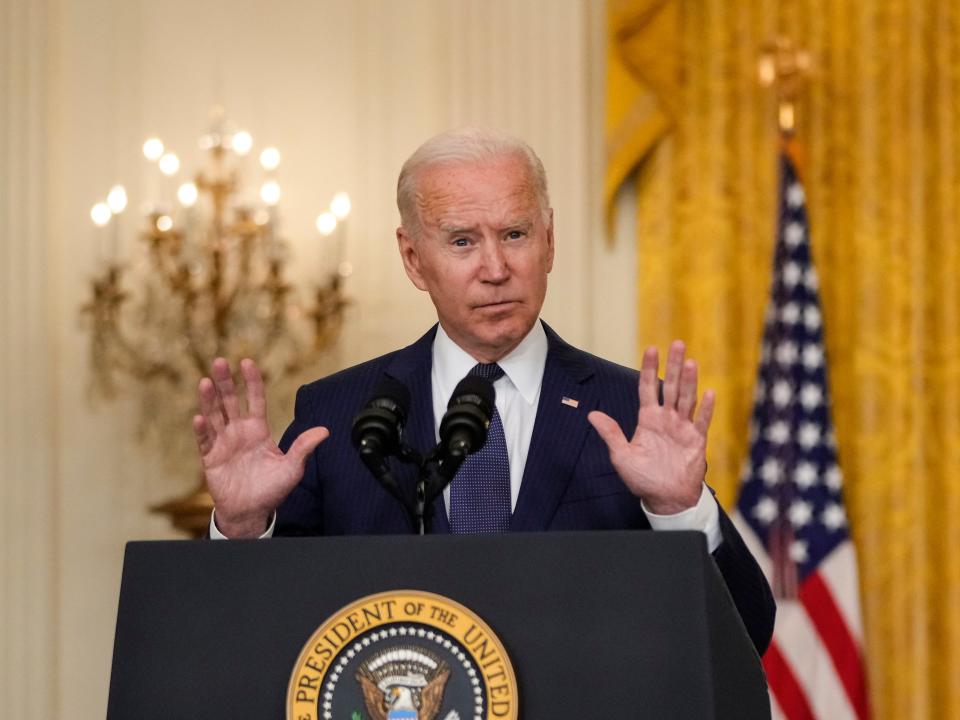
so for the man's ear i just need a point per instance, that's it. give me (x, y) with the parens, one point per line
(408, 248)
(550, 243)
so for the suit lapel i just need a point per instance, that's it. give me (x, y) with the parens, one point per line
(558, 435)
(412, 367)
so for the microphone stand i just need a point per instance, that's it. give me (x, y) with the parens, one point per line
(436, 471)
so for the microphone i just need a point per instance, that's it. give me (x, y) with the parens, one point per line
(377, 428)
(376, 433)
(463, 429)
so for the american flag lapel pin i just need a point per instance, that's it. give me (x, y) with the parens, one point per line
(570, 401)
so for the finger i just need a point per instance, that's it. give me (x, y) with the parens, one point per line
(649, 381)
(705, 412)
(671, 374)
(220, 370)
(688, 390)
(305, 444)
(609, 431)
(256, 397)
(210, 406)
(203, 434)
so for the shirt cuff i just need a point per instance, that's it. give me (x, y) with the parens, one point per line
(215, 533)
(704, 516)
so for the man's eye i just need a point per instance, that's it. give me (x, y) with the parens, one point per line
(461, 242)
(515, 234)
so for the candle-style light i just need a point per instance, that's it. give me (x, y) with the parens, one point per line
(270, 192)
(117, 199)
(169, 164)
(270, 159)
(187, 194)
(340, 205)
(100, 214)
(326, 223)
(241, 142)
(153, 149)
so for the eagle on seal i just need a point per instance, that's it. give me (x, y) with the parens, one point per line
(403, 683)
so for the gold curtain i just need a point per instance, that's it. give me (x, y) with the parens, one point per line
(879, 125)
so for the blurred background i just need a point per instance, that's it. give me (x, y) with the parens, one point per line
(661, 146)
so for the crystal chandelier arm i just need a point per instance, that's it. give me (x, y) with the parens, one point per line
(111, 350)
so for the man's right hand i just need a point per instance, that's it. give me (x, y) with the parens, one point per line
(247, 474)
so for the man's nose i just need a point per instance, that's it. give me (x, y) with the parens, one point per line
(494, 259)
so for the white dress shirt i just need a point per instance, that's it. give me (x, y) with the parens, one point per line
(518, 393)
(517, 397)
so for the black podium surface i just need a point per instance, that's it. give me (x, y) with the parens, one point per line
(596, 624)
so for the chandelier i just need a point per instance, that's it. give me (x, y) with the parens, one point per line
(207, 281)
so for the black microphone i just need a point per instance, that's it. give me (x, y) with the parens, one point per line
(377, 428)
(463, 429)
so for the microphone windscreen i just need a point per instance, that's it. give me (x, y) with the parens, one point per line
(377, 427)
(475, 390)
(392, 391)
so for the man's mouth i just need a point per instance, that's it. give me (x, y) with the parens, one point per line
(495, 305)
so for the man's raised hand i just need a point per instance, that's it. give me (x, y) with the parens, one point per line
(664, 463)
(247, 474)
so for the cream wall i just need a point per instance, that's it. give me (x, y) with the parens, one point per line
(347, 89)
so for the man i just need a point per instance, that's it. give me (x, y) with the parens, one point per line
(476, 234)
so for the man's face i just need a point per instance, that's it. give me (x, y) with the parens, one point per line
(483, 252)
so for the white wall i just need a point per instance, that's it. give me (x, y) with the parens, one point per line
(28, 430)
(347, 90)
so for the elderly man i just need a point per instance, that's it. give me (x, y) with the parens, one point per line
(476, 234)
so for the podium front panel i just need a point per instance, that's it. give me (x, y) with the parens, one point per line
(596, 624)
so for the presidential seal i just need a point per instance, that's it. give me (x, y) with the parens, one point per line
(403, 655)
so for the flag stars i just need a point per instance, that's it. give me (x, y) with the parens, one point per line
(834, 517)
(790, 314)
(793, 234)
(800, 513)
(805, 475)
(795, 195)
(811, 279)
(834, 478)
(792, 274)
(771, 472)
(809, 435)
(811, 396)
(782, 393)
(812, 356)
(811, 317)
(766, 510)
(778, 433)
(786, 352)
(798, 551)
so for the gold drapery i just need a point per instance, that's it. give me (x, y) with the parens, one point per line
(879, 123)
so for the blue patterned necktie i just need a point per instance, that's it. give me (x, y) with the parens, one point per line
(480, 491)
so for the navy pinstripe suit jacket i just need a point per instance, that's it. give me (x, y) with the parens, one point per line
(568, 482)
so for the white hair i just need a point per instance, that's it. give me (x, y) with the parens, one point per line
(465, 145)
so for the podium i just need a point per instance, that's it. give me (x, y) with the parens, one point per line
(596, 624)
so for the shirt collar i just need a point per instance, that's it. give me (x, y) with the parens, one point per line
(523, 366)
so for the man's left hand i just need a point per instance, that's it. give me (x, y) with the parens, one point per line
(664, 463)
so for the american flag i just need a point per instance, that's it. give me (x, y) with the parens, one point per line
(791, 510)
